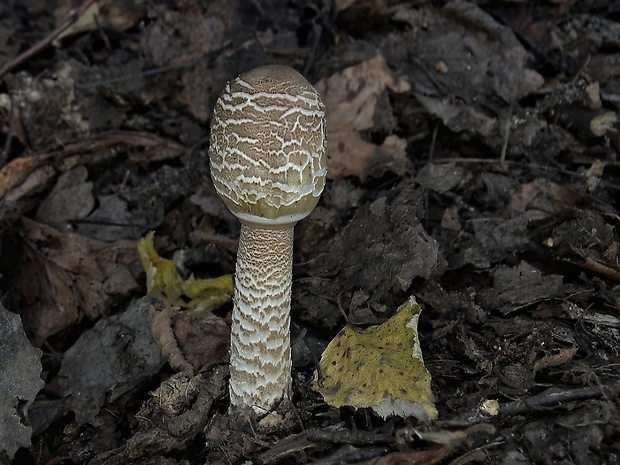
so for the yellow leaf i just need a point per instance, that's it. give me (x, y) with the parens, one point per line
(163, 281)
(380, 367)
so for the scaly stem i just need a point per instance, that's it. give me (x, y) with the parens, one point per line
(260, 349)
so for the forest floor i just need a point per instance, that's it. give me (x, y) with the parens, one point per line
(473, 164)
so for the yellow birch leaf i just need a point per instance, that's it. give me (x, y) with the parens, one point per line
(380, 367)
(163, 281)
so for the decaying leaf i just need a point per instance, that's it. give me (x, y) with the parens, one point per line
(23, 176)
(115, 356)
(70, 199)
(161, 324)
(356, 100)
(515, 287)
(114, 15)
(64, 276)
(380, 367)
(20, 365)
(177, 413)
(468, 70)
(163, 281)
(191, 341)
(392, 248)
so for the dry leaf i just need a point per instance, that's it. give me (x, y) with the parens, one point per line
(468, 69)
(15, 173)
(555, 359)
(70, 199)
(114, 357)
(190, 341)
(20, 382)
(64, 276)
(562, 196)
(352, 99)
(380, 367)
(161, 324)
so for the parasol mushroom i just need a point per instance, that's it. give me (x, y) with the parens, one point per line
(268, 164)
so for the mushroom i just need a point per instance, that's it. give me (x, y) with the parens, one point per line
(268, 164)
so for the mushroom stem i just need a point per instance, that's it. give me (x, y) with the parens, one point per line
(260, 357)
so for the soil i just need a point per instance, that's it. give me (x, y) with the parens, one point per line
(473, 164)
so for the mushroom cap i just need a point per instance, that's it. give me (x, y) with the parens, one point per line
(268, 147)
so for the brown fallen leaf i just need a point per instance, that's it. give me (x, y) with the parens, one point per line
(355, 100)
(554, 360)
(15, 173)
(112, 15)
(28, 175)
(161, 325)
(564, 197)
(426, 457)
(191, 340)
(64, 277)
(70, 199)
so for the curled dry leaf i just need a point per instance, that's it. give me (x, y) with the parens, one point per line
(64, 277)
(15, 175)
(161, 324)
(555, 359)
(108, 15)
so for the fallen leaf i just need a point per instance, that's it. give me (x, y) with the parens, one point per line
(382, 249)
(112, 15)
(190, 340)
(25, 176)
(64, 277)
(515, 287)
(70, 199)
(468, 69)
(20, 364)
(352, 99)
(115, 356)
(380, 367)
(555, 359)
(34, 183)
(550, 196)
(15, 173)
(440, 178)
(163, 281)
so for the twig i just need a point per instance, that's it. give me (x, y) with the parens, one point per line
(506, 136)
(547, 399)
(46, 41)
(554, 398)
(350, 454)
(593, 265)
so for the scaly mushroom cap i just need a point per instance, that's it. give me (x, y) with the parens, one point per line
(268, 146)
